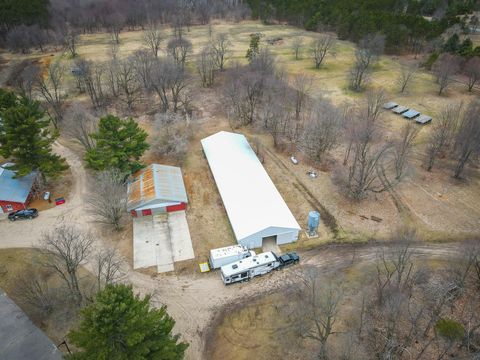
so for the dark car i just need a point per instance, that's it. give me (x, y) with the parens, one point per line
(23, 214)
(288, 259)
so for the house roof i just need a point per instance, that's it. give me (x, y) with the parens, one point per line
(251, 200)
(15, 190)
(20, 339)
(156, 184)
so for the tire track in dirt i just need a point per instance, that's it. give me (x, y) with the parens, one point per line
(327, 217)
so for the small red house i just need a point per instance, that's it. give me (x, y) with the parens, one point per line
(156, 189)
(15, 193)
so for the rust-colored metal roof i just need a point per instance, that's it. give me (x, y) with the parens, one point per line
(156, 183)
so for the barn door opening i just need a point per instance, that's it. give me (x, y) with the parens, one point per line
(269, 243)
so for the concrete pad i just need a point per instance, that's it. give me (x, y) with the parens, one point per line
(180, 236)
(143, 242)
(151, 243)
(163, 247)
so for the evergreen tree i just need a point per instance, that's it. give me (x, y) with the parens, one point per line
(466, 48)
(25, 137)
(119, 145)
(452, 44)
(254, 48)
(120, 325)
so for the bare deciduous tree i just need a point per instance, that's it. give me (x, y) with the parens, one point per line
(297, 45)
(467, 141)
(107, 198)
(112, 68)
(402, 148)
(80, 124)
(369, 50)
(143, 62)
(442, 133)
(114, 24)
(33, 289)
(160, 80)
(172, 134)
(317, 308)
(244, 94)
(302, 84)
(206, 66)
(472, 70)
(66, 248)
(407, 74)
(320, 48)
(322, 131)
(221, 48)
(50, 88)
(107, 267)
(445, 67)
(366, 171)
(25, 82)
(179, 49)
(70, 41)
(91, 76)
(274, 113)
(152, 38)
(127, 82)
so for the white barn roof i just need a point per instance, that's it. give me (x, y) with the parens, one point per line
(252, 201)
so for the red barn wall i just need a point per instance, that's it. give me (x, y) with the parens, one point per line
(16, 206)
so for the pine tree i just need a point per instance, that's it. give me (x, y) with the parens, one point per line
(120, 325)
(119, 145)
(254, 49)
(26, 139)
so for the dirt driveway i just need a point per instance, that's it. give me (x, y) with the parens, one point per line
(27, 233)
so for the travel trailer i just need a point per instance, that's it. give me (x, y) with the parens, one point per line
(249, 267)
(227, 255)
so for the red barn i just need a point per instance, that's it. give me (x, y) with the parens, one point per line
(156, 189)
(15, 193)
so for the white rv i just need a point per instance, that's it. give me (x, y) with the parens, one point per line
(250, 267)
(228, 255)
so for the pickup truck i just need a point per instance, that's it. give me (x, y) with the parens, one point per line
(288, 259)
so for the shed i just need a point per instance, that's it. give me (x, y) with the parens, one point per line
(254, 206)
(410, 114)
(423, 119)
(156, 189)
(390, 105)
(15, 193)
(400, 109)
(20, 339)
